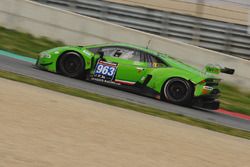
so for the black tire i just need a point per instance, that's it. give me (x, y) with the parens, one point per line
(71, 64)
(178, 91)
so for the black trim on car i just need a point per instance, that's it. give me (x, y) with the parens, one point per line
(45, 64)
(146, 81)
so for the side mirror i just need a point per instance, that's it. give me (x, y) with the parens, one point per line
(101, 53)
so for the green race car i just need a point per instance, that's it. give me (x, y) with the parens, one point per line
(137, 69)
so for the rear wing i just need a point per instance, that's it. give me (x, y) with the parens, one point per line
(217, 69)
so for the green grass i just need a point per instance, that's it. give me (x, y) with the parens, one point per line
(28, 45)
(234, 99)
(126, 105)
(24, 43)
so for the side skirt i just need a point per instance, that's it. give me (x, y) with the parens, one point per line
(137, 88)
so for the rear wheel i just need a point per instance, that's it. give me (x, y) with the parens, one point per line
(178, 91)
(71, 64)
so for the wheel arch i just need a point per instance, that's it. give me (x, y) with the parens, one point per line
(192, 84)
(161, 76)
(86, 59)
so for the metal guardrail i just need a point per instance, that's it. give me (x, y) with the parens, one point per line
(224, 37)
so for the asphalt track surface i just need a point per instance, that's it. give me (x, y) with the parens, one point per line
(27, 68)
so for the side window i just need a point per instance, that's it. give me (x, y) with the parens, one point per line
(93, 50)
(107, 51)
(110, 51)
(153, 61)
(128, 54)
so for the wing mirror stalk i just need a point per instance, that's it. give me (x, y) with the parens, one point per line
(101, 53)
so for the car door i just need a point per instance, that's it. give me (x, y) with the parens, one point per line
(152, 61)
(130, 68)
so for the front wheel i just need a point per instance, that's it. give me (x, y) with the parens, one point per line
(178, 91)
(71, 64)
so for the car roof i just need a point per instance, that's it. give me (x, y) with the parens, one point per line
(145, 49)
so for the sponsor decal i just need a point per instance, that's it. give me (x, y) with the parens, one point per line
(124, 82)
(86, 52)
(209, 88)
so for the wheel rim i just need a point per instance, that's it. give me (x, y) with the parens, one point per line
(177, 90)
(72, 64)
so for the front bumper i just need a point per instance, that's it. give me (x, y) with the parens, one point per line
(44, 64)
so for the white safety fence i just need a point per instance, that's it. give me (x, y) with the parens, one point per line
(225, 37)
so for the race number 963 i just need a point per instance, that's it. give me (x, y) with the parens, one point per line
(105, 70)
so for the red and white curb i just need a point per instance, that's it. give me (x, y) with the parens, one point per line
(233, 114)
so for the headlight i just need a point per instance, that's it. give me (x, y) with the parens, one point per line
(45, 55)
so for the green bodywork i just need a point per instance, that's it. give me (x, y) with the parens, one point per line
(128, 69)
